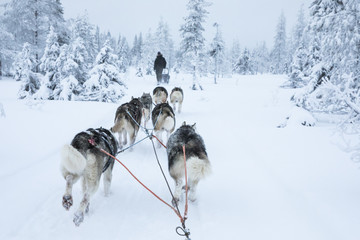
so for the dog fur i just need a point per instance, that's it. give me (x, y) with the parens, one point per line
(146, 100)
(81, 159)
(176, 98)
(163, 119)
(160, 95)
(197, 162)
(124, 123)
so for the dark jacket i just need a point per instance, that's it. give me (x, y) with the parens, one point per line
(160, 63)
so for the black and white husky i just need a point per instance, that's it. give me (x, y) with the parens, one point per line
(197, 162)
(176, 98)
(163, 119)
(160, 95)
(127, 121)
(146, 100)
(81, 159)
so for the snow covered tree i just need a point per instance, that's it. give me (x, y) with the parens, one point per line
(123, 53)
(297, 39)
(6, 52)
(24, 64)
(333, 55)
(51, 52)
(70, 71)
(244, 63)
(279, 52)
(235, 53)
(48, 66)
(30, 20)
(149, 53)
(105, 83)
(193, 41)
(298, 51)
(164, 43)
(260, 59)
(217, 50)
(137, 51)
(82, 28)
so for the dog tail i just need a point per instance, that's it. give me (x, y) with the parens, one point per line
(120, 122)
(169, 123)
(72, 160)
(198, 168)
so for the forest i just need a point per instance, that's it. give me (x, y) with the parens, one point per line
(72, 59)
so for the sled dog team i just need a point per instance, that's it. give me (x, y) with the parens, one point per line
(82, 159)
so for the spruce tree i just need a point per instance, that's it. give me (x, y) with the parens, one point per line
(105, 82)
(193, 41)
(279, 52)
(217, 51)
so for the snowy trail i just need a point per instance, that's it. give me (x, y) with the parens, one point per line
(267, 182)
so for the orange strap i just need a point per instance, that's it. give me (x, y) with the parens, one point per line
(186, 186)
(177, 213)
(160, 142)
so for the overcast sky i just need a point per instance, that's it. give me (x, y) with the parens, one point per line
(249, 21)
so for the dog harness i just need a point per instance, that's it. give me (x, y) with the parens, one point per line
(105, 134)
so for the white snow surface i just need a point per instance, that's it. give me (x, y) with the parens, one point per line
(291, 183)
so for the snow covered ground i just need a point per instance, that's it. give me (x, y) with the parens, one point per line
(267, 183)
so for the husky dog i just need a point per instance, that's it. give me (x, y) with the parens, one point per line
(146, 100)
(127, 121)
(176, 98)
(163, 119)
(81, 159)
(160, 95)
(197, 162)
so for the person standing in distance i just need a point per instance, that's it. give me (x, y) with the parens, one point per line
(159, 65)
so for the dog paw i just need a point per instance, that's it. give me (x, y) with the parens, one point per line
(67, 201)
(78, 218)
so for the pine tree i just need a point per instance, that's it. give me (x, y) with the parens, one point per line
(6, 53)
(30, 20)
(105, 83)
(83, 29)
(193, 41)
(24, 65)
(234, 55)
(149, 51)
(164, 43)
(260, 56)
(217, 51)
(123, 53)
(51, 52)
(137, 51)
(333, 57)
(279, 52)
(48, 66)
(244, 63)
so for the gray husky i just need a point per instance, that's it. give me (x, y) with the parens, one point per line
(146, 100)
(197, 162)
(127, 121)
(81, 159)
(160, 95)
(176, 98)
(163, 119)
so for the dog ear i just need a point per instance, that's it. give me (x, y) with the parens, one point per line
(132, 97)
(184, 123)
(194, 126)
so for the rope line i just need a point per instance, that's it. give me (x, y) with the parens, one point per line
(177, 212)
(162, 171)
(185, 231)
(124, 149)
